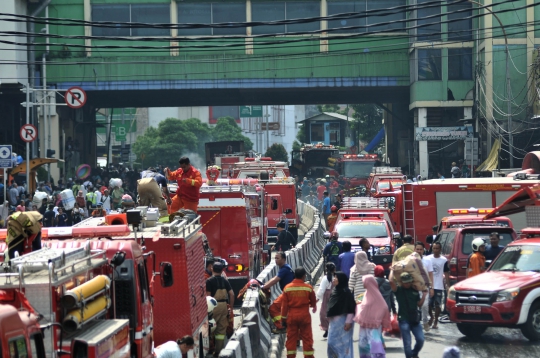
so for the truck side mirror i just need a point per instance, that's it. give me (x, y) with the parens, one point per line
(287, 211)
(274, 204)
(166, 274)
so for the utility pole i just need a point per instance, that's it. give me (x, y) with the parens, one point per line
(267, 129)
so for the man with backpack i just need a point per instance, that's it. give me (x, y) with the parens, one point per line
(455, 171)
(333, 249)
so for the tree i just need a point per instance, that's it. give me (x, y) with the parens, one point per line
(202, 131)
(368, 120)
(332, 108)
(277, 152)
(227, 129)
(166, 144)
(302, 136)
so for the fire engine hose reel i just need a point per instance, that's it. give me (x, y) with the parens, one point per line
(77, 317)
(79, 294)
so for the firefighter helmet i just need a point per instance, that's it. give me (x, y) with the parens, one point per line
(333, 208)
(327, 235)
(212, 303)
(476, 243)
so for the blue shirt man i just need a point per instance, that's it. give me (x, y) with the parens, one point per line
(346, 259)
(285, 274)
(493, 250)
(332, 250)
(326, 204)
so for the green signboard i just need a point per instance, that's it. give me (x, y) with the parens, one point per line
(251, 111)
(120, 130)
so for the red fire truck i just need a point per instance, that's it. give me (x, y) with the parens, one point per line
(281, 191)
(72, 291)
(156, 312)
(356, 168)
(234, 220)
(384, 180)
(20, 332)
(368, 218)
(225, 154)
(315, 161)
(426, 202)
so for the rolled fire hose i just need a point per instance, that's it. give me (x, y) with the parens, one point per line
(74, 296)
(77, 317)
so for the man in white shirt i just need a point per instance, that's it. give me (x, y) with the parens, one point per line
(177, 349)
(419, 248)
(441, 281)
(106, 200)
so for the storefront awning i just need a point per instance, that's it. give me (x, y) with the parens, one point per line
(492, 160)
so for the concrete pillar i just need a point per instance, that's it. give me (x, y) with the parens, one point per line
(423, 156)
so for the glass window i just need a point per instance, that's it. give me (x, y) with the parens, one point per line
(468, 237)
(339, 7)
(373, 229)
(153, 14)
(301, 9)
(431, 32)
(229, 12)
(518, 258)
(194, 13)
(115, 13)
(392, 15)
(211, 13)
(429, 65)
(460, 64)
(317, 132)
(17, 348)
(268, 11)
(143, 282)
(449, 243)
(460, 29)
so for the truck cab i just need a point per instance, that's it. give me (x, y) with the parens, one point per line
(20, 333)
(456, 241)
(356, 168)
(368, 218)
(506, 295)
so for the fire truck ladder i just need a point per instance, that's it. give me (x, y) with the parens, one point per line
(408, 210)
(387, 170)
(364, 203)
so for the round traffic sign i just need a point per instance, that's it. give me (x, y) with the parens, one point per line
(75, 97)
(28, 133)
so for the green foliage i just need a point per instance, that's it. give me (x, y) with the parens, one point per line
(301, 136)
(227, 129)
(174, 138)
(277, 152)
(368, 120)
(296, 146)
(331, 108)
(41, 174)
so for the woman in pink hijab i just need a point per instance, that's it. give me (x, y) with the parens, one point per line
(373, 316)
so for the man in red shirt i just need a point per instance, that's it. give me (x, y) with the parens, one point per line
(297, 297)
(189, 181)
(320, 191)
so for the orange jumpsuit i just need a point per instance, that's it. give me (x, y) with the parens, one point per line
(187, 195)
(331, 221)
(297, 297)
(275, 311)
(476, 264)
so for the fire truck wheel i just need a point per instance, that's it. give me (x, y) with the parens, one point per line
(470, 330)
(531, 328)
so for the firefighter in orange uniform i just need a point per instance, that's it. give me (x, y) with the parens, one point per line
(189, 181)
(297, 297)
(332, 218)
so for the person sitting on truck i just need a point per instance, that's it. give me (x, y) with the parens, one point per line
(189, 181)
(405, 250)
(172, 349)
(333, 249)
(493, 250)
(477, 262)
(221, 290)
(285, 240)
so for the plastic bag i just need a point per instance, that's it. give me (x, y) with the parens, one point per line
(395, 325)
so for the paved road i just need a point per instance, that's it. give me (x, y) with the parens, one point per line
(495, 343)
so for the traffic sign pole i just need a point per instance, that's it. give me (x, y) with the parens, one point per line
(27, 143)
